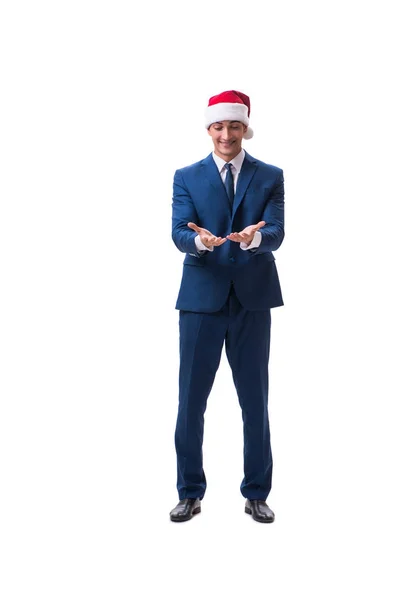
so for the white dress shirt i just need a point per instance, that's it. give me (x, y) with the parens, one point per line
(236, 167)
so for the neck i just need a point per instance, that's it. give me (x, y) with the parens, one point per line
(227, 157)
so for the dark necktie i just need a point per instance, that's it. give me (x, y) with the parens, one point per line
(230, 190)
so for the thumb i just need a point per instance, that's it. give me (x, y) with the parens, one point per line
(194, 227)
(259, 225)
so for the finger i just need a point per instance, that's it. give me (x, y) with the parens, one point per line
(194, 227)
(211, 240)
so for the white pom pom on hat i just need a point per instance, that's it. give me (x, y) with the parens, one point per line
(229, 106)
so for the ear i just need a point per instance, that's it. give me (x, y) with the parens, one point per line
(208, 130)
(244, 128)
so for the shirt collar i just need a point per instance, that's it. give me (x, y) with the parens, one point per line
(236, 162)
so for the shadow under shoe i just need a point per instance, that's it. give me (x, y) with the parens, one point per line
(185, 509)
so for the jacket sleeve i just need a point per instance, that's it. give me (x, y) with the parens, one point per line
(183, 211)
(274, 216)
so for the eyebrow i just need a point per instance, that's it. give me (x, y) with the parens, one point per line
(220, 122)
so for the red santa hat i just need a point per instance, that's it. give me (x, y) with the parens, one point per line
(229, 106)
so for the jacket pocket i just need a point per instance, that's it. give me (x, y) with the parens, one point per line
(194, 261)
(263, 257)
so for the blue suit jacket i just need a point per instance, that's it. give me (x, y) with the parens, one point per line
(199, 196)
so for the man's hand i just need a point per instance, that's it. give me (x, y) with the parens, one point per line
(245, 236)
(207, 238)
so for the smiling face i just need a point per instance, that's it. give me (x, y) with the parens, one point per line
(227, 137)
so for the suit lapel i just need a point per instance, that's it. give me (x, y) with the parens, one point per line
(211, 173)
(247, 171)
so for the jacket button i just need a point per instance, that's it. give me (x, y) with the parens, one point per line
(231, 258)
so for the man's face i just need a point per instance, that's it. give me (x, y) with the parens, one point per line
(227, 137)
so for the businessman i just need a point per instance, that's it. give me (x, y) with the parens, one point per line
(227, 218)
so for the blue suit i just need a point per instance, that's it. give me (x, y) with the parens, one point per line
(225, 297)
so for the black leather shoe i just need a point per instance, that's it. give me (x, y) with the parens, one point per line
(185, 509)
(260, 511)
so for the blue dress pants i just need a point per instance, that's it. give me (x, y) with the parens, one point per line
(247, 340)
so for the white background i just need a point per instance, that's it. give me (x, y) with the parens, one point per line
(100, 103)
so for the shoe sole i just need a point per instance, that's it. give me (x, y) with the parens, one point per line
(181, 519)
(250, 512)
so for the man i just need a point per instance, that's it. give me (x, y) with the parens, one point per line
(228, 217)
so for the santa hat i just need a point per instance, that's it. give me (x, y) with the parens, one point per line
(229, 106)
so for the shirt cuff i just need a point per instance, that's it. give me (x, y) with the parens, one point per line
(200, 246)
(254, 244)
